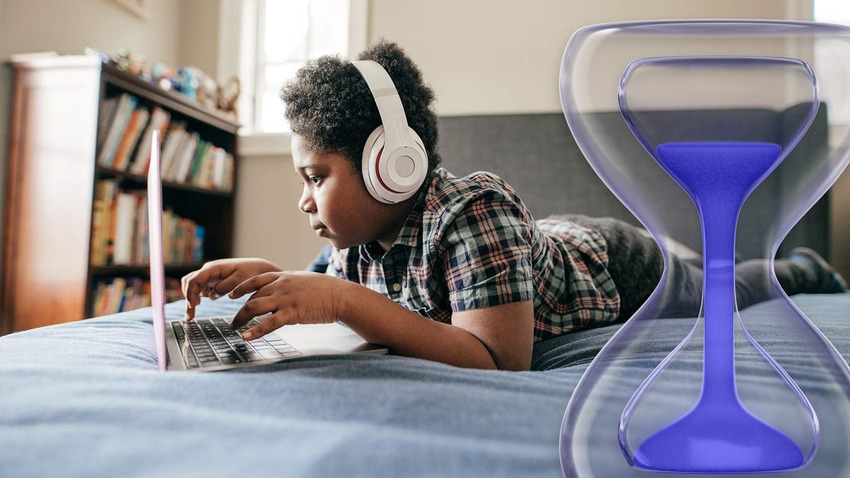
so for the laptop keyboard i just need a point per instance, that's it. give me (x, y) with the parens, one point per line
(211, 343)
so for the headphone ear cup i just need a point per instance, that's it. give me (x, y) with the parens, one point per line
(393, 176)
(420, 161)
(372, 149)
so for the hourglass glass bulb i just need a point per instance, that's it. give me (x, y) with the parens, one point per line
(697, 91)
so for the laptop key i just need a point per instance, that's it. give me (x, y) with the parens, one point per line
(230, 360)
(270, 354)
(252, 357)
(209, 362)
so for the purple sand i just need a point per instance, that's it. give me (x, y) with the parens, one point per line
(718, 435)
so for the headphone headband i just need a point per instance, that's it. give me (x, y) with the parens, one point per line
(389, 103)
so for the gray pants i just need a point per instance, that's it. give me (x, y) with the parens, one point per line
(635, 264)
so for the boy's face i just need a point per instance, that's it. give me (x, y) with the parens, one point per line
(340, 207)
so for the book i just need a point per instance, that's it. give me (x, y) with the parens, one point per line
(204, 177)
(167, 235)
(104, 196)
(115, 295)
(105, 118)
(230, 166)
(140, 239)
(219, 169)
(184, 165)
(97, 253)
(170, 142)
(120, 294)
(123, 111)
(159, 122)
(125, 222)
(196, 172)
(138, 120)
(198, 245)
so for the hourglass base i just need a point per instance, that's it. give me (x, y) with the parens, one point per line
(718, 439)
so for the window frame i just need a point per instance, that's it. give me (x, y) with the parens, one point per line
(237, 51)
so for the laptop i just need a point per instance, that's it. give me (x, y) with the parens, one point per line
(206, 343)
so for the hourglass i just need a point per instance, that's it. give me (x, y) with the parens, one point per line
(718, 433)
(716, 400)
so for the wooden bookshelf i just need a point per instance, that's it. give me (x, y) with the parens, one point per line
(63, 110)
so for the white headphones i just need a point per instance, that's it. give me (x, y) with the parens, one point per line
(395, 163)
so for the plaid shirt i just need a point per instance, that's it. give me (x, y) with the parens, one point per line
(471, 243)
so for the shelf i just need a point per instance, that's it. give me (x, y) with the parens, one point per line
(169, 99)
(46, 188)
(138, 178)
(141, 269)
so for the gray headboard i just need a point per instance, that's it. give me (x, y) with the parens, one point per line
(537, 155)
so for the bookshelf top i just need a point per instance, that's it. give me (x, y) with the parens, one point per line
(115, 76)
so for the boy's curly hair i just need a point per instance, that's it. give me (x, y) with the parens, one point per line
(330, 106)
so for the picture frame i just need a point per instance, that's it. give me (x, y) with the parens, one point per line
(139, 8)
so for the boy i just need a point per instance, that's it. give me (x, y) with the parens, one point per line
(457, 270)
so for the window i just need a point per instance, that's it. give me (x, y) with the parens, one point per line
(272, 39)
(832, 11)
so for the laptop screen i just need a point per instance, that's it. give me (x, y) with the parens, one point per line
(155, 247)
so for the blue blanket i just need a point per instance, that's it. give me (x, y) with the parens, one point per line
(86, 399)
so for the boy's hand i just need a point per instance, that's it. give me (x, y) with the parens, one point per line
(290, 297)
(217, 278)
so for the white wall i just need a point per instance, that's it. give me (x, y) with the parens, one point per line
(503, 56)
(197, 35)
(69, 27)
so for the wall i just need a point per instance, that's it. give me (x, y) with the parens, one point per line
(41, 25)
(197, 35)
(505, 54)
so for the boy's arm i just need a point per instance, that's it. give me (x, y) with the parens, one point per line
(494, 337)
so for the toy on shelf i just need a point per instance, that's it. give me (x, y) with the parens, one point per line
(191, 82)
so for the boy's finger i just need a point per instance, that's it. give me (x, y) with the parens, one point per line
(253, 308)
(253, 284)
(194, 287)
(269, 324)
(224, 286)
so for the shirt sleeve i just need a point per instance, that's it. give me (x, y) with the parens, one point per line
(487, 255)
(336, 263)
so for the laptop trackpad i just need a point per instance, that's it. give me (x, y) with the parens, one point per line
(326, 339)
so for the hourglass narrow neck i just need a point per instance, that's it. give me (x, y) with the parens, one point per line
(718, 176)
(719, 218)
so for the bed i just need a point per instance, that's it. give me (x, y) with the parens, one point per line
(86, 399)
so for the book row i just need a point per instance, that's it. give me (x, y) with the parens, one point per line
(124, 141)
(120, 230)
(119, 294)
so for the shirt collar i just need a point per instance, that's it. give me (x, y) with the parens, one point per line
(409, 235)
